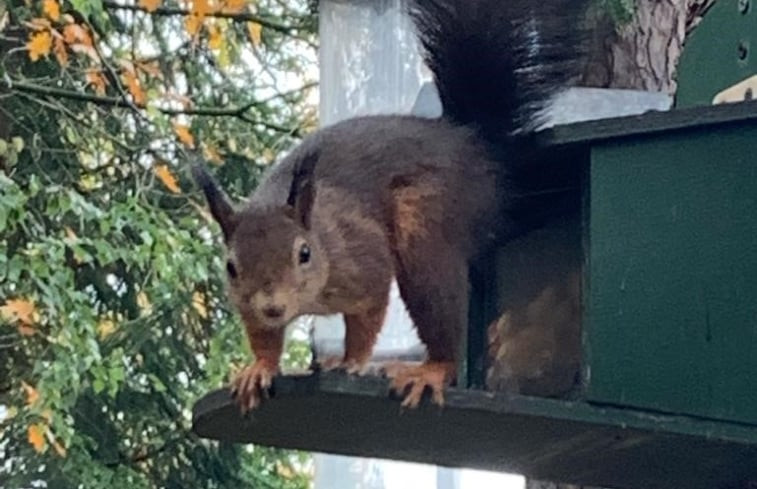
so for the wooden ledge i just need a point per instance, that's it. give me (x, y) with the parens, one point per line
(547, 439)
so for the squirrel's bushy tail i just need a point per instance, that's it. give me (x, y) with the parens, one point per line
(496, 63)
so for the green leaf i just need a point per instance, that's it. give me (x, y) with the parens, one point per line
(15, 267)
(157, 384)
(88, 7)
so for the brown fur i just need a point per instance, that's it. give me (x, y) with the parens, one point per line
(403, 210)
(373, 198)
(409, 222)
(361, 333)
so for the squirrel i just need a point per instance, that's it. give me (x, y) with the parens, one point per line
(376, 198)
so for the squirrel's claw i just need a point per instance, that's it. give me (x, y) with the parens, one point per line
(434, 375)
(331, 363)
(357, 367)
(349, 365)
(252, 384)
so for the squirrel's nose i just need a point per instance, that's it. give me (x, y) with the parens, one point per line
(273, 312)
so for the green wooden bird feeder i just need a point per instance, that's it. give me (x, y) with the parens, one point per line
(663, 243)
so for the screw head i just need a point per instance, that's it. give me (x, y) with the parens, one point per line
(743, 50)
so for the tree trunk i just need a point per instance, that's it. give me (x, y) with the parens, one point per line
(641, 55)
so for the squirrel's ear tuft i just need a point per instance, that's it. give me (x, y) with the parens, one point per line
(219, 204)
(302, 190)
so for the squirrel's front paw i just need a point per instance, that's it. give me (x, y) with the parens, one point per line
(252, 383)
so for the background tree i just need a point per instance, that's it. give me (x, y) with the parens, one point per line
(114, 318)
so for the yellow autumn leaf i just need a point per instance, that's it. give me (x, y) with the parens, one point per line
(144, 302)
(198, 303)
(135, 87)
(36, 436)
(268, 155)
(39, 24)
(151, 68)
(25, 330)
(223, 56)
(165, 176)
(211, 153)
(19, 309)
(150, 5)
(32, 396)
(192, 24)
(74, 33)
(184, 135)
(39, 45)
(59, 48)
(80, 41)
(47, 415)
(105, 328)
(96, 79)
(233, 6)
(51, 9)
(256, 32)
(284, 471)
(215, 38)
(201, 8)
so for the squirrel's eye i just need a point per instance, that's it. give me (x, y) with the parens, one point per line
(304, 254)
(231, 269)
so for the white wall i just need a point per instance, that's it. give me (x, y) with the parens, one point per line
(369, 64)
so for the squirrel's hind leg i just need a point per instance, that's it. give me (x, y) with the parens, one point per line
(433, 282)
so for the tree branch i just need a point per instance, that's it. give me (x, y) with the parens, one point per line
(235, 16)
(238, 112)
(59, 92)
